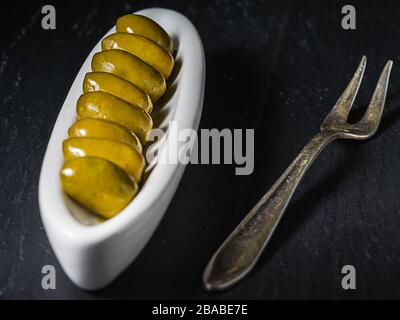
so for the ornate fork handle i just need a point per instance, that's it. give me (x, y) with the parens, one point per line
(241, 250)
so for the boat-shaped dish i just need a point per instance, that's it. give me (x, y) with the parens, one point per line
(93, 252)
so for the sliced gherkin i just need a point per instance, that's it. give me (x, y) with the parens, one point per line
(123, 89)
(98, 185)
(143, 48)
(136, 23)
(127, 158)
(96, 128)
(131, 68)
(102, 105)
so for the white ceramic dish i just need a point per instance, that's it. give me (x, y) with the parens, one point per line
(91, 253)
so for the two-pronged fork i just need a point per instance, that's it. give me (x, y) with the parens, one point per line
(241, 250)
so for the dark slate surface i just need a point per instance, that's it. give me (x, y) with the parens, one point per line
(276, 66)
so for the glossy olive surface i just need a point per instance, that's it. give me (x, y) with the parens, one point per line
(98, 185)
(127, 158)
(135, 23)
(131, 68)
(102, 105)
(96, 128)
(143, 48)
(123, 89)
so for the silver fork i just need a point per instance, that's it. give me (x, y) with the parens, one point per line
(240, 251)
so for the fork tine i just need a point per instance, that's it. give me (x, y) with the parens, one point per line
(373, 113)
(341, 109)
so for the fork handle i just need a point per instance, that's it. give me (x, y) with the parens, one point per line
(240, 251)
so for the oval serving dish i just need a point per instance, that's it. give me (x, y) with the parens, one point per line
(94, 252)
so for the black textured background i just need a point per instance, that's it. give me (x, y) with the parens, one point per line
(276, 66)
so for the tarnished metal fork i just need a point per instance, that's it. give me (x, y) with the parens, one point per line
(240, 251)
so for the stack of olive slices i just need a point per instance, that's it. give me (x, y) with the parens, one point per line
(103, 154)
